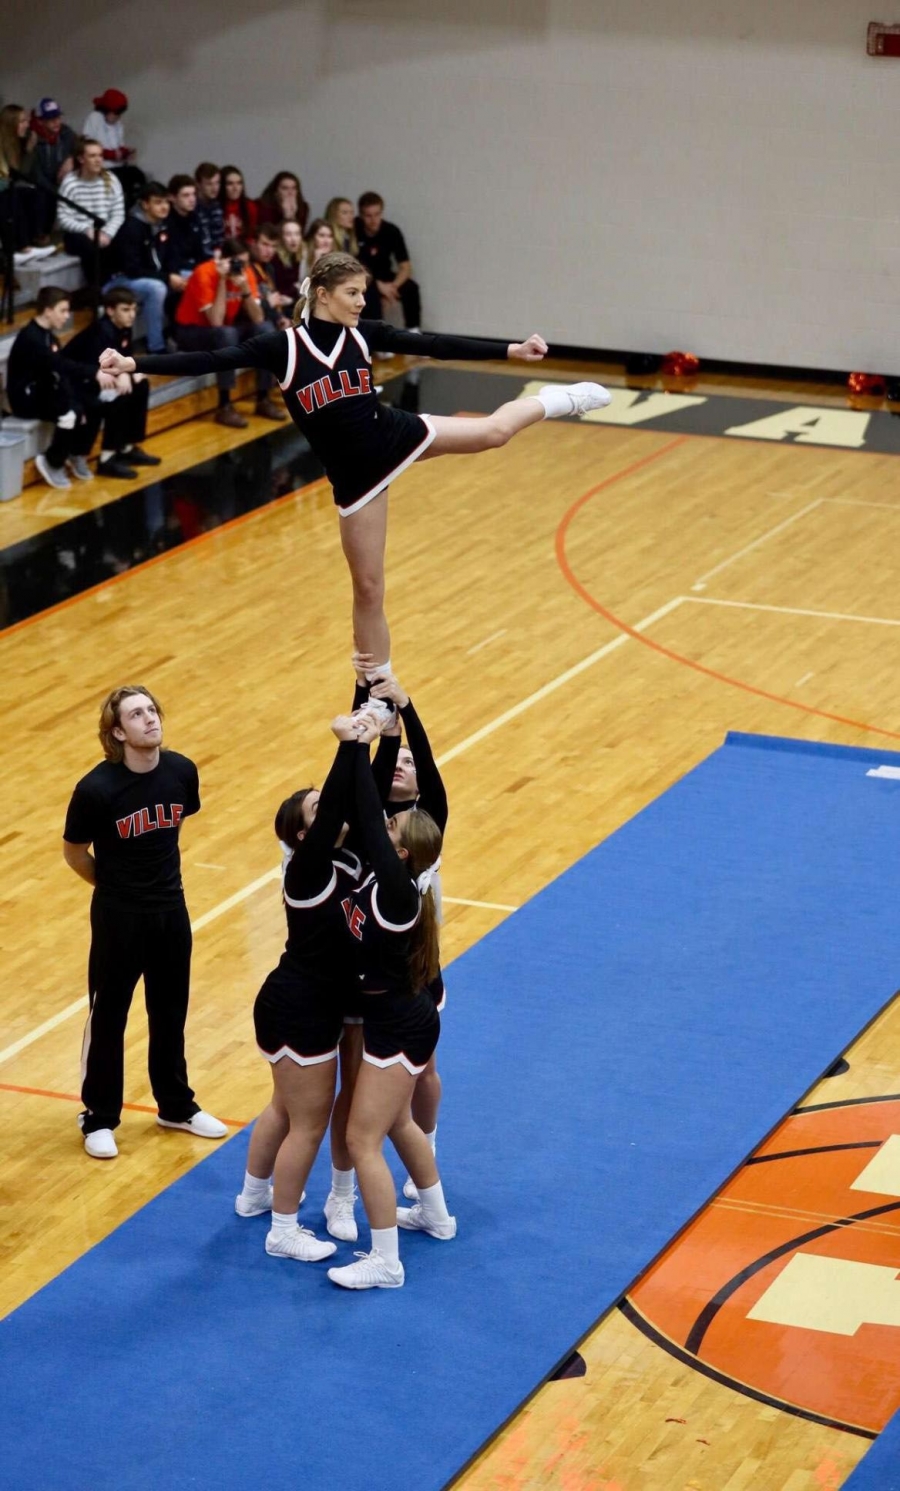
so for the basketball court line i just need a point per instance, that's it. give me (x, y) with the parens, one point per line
(700, 584)
(710, 600)
(72, 1097)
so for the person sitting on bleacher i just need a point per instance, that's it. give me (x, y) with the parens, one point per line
(43, 382)
(185, 248)
(56, 143)
(209, 209)
(277, 305)
(138, 256)
(125, 415)
(94, 188)
(104, 123)
(220, 307)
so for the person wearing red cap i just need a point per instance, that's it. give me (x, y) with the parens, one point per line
(104, 123)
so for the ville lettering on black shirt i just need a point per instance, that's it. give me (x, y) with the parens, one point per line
(132, 819)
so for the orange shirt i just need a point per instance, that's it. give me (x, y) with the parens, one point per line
(201, 292)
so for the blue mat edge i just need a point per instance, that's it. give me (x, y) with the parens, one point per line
(746, 740)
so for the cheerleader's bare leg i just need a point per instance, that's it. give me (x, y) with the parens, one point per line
(363, 539)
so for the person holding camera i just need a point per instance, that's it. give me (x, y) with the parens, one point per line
(220, 307)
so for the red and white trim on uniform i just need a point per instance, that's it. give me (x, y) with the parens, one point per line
(430, 434)
(286, 381)
(329, 358)
(273, 1056)
(392, 926)
(440, 1007)
(362, 342)
(401, 1059)
(316, 900)
(354, 869)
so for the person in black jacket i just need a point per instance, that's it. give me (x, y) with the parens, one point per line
(185, 245)
(43, 382)
(139, 252)
(125, 407)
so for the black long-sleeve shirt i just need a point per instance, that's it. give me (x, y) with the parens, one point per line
(95, 338)
(383, 909)
(432, 794)
(38, 363)
(315, 880)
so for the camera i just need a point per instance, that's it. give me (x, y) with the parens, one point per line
(236, 266)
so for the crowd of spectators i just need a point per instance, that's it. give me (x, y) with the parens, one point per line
(201, 262)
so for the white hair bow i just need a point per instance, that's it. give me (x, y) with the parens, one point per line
(424, 880)
(304, 291)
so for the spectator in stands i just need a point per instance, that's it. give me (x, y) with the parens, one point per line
(383, 252)
(139, 256)
(220, 308)
(282, 200)
(263, 257)
(320, 240)
(185, 248)
(339, 213)
(55, 156)
(93, 187)
(209, 209)
(287, 266)
(20, 206)
(125, 413)
(43, 382)
(104, 123)
(239, 214)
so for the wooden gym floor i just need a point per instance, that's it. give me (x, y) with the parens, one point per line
(547, 617)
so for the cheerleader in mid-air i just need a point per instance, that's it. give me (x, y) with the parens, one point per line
(324, 365)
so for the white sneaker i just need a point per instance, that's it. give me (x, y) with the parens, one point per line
(80, 468)
(409, 1189)
(46, 252)
(382, 709)
(246, 1208)
(370, 1272)
(23, 257)
(54, 476)
(300, 1244)
(100, 1145)
(339, 1218)
(202, 1124)
(414, 1220)
(567, 399)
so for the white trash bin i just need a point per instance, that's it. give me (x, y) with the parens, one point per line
(12, 465)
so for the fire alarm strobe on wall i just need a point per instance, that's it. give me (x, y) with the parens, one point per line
(882, 40)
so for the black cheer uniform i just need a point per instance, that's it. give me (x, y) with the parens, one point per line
(325, 371)
(139, 926)
(432, 799)
(400, 1024)
(299, 1010)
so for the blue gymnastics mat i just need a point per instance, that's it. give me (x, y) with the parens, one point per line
(611, 1053)
(879, 1469)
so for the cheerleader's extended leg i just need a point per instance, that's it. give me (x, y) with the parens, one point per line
(469, 436)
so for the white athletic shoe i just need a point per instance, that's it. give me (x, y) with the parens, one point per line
(46, 252)
(566, 399)
(246, 1208)
(300, 1244)
(339, 1218)
(54, 476)
(383, 710)
(414, 1220)
(202, 1124)
(409, 1189)
(100, 1145)
(371, 1271)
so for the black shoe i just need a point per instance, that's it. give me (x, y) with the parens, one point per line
(137, 457)
(118, 466)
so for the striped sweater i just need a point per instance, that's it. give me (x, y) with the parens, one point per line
(102, 197)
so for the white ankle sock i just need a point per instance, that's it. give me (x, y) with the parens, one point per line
(434, 1207)
(254, 1188)
(555, 400)
(284, 1221)
(342, 1182)
(381, 670)
(386, 1241)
